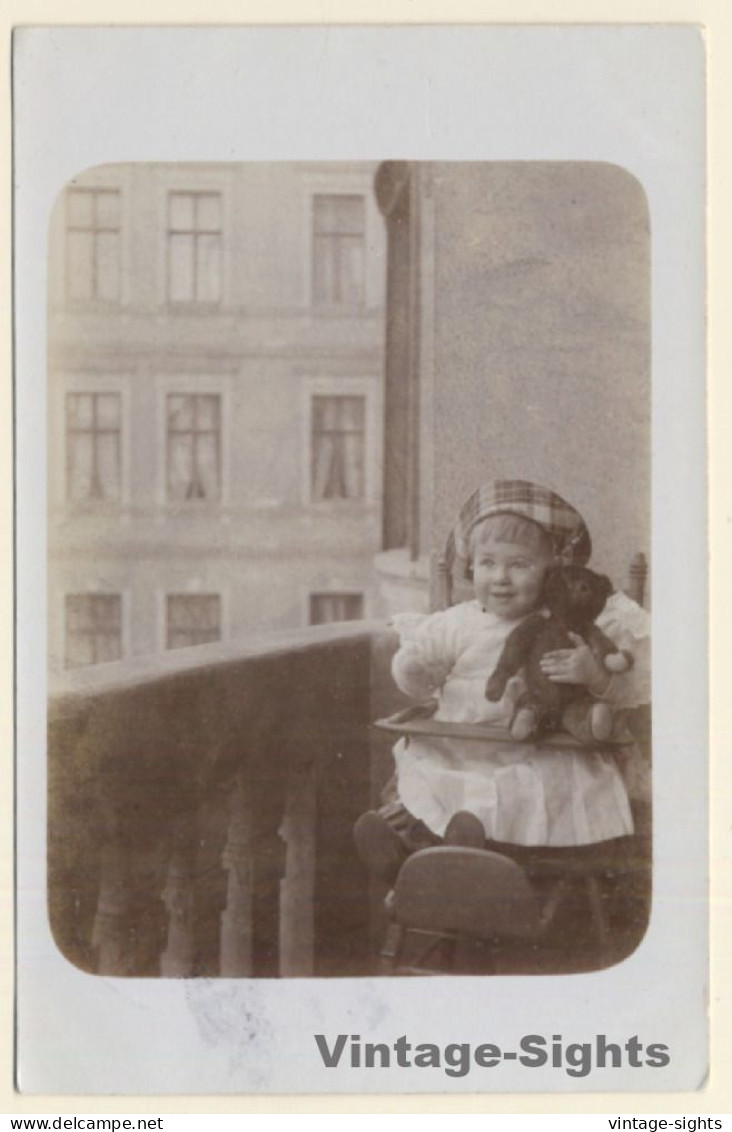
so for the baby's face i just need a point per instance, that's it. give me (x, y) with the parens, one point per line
(508, 576)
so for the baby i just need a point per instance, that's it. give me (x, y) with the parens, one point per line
(463, 791)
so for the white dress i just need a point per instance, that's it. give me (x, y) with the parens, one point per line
(524, 793)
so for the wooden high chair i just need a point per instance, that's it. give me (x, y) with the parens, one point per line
(462, 910)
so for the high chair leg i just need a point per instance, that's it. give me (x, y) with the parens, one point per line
(594, 897)
(552, 902)
(390, 951)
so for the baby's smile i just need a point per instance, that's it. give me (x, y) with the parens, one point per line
(508, 577)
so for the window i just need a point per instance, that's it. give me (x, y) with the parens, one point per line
(93, 244)
(328, 607)
(192, 619)
(194, 445)
(194, 247)
(339, 236)
(338, 449)
(93, 434)
(93, 628)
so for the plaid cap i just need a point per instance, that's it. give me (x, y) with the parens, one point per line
(559, 519)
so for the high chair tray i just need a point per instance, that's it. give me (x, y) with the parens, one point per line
(418, 720)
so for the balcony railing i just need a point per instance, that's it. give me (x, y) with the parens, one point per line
(201, 804)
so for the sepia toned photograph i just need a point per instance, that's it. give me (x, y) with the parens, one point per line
(349, 569)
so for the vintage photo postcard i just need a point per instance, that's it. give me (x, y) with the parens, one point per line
(361, 546)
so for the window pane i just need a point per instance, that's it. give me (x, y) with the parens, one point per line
(194, 446)
(180, 269)
(180, 466)
(203, 636)
(207, 466)
(79, 649)
(79, 410)
(107, 647)
(207, 411)
(338, 452)
(93, 628)
(339, 253)
(351, 269)
(181, 407)
(178, 612)
(326, 608)
(339, 214)
(339, 414)
(79, 208)
(107, 202)
(106, 611)
(325, 413)
(353, 466)
(204, 612)
(79, 266)
(78, 614)
(325, 275)
(324, 457)
(108, 410)
(208, 269)
(80, 466)
(93, 469)
(208, 212)
(192, 619)
(352, 410)
(180, 212)
(108, 465)
(107, 274)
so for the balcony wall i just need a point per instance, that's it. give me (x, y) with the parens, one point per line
(201, 805)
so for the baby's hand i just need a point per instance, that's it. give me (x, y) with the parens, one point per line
(415, 675)
(575, 666)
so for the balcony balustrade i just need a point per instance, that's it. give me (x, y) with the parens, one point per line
(201, 804)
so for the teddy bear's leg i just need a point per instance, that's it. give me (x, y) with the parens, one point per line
(601, 721)
(589, 721)
(526, 720)
(525, 723)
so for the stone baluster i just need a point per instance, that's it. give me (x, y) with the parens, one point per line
(236, 919)
(129, 924)
(113, 930)
(254, 858)
(179, 898)
(297, 932)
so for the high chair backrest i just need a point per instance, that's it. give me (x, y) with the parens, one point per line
(443, 588)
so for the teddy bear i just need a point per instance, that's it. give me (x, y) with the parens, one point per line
(573, 596)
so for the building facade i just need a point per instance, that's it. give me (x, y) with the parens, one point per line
(216, 345)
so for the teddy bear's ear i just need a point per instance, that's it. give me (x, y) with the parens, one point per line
(554, 584)
(605, 584)
(553, 573)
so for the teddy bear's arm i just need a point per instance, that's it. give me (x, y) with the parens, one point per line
(516, 649)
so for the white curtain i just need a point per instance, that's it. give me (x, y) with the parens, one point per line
(339, 228)
(338, 447)
(93, 446)
(194, 429)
